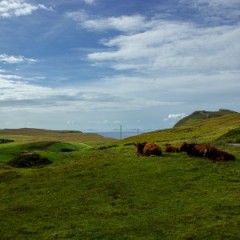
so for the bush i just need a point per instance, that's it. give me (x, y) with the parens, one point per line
(67, 150)
(28, 159)
(6, 140)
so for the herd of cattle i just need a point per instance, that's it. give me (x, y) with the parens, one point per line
(196, 150)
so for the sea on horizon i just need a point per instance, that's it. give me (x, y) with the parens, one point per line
(118, 135)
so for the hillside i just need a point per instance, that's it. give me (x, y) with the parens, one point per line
(33, 134)
(206, 130)
(35, 131)
(198, 116)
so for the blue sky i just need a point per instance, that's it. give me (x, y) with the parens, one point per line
(97, 64)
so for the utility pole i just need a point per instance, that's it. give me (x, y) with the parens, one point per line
(120, 131)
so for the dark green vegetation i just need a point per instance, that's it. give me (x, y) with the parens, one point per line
(197, 116)
(97, 188)
(232, 136)
(3, 140)
(27, 160)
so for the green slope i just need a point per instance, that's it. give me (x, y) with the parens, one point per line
(198, 116)
(204, 131)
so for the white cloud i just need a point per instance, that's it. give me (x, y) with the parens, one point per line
(173, 47)
(16, 93)
(215, 11)
(123, 23)
(14, 88)
(90, 2)
(175, 116)
(216, 3)
(11, 8)
(5, 77)
(4, 58)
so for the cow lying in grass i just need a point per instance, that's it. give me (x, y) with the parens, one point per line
(148, 149)
(218, 155)
(170, 148)
(207, 151)
(197, 150)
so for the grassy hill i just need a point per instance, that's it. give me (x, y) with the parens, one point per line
(33, 134)
(208, 130)
(108, 193)
(198, 116)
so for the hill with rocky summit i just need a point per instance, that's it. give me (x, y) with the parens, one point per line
(198, 116)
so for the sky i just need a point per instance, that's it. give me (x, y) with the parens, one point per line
(95, 65)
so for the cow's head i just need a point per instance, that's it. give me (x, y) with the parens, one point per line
(140, 147)
(184, 147)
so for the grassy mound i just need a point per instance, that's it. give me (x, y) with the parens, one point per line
(53, 150)
(54, 146)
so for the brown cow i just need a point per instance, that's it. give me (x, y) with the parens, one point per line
(148, 149)
(206, 150)
(197, 150)
(215, 154)
(170, 148)
(186, 147)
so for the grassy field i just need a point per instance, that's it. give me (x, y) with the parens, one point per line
(102, 190)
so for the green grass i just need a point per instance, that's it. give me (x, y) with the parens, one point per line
(112, 194)
(204, 131)
(102, 190)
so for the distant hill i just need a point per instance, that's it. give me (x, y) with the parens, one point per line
(198, 116)
(35, 131)
(34, 134)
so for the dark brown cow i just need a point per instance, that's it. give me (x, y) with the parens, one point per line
(197, 150)
(170, 148)
(206, 150)
(200, 150)
(215, 154)
(148, 149)
(186, 147)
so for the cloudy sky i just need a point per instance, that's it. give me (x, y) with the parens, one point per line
(97, 64)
